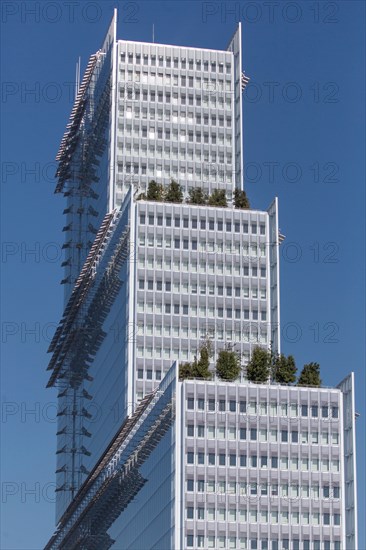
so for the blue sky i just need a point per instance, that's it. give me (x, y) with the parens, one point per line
(304, 141)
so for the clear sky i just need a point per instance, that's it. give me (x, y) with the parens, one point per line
(304, 141)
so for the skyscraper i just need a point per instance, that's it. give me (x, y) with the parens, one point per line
(145, 460)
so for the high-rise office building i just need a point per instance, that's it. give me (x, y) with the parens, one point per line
(145, 460)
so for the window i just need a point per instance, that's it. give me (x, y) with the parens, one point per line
(200, 431)
(284, 436)
(190, 458)
(243, 460)
(200, 485)
(232, 460)
(190, 403)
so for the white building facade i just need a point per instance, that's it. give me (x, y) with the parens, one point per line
(223, 465)
(144, 460)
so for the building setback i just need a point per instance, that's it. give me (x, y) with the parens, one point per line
(145, 460)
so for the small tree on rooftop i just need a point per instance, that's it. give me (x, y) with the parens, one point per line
(155, 191)
(217, 198)
(240, 199)
(283, 369)
(174, 192)
(259, 366)
(310, 375)
(201, 367)
(228, 365)
(185, 371)
(197, 196)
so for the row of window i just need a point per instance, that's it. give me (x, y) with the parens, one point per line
(263, 461)
(263, 435)
(160, 78)
(220, 173)
(149, 351)
(210, 98)
(181, 116)
(203, 289)
(183, 135)
(243, 489)
(202, 311)
(262, 516)
(202, 266)
(285, 491)
(183, 354)
(212, 541)
(210, 224)
(252, 251)
(218, 162)
(250, 333)
(177, 62)
(263, 407)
